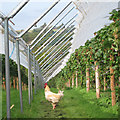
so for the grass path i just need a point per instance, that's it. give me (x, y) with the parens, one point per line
(76, 103)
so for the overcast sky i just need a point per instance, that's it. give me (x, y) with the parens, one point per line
(33, 10)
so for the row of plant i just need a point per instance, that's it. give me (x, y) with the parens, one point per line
(96, 64)
(14, 73)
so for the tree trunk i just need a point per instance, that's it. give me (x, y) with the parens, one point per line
(69, 82)
(112, 83)
(17, 84)
(13, 82)
(97, 80)
(119, 82)
(4, 82)
(119, 68)
(104, 83)
(73, 81)
(4, 85)
(76, 79)
(25, 86)
(81, 83)
(87, 79)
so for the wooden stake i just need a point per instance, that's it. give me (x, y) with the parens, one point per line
(76, 79)
(81, 80)
(87, 79)
(119, 82)
(73, 81)
(25, 86)
(13, 82)
(104, 83)
(112, 83)
(69, 82)
(97, 80)
(4, 85)
(17, 84)
(119, 66)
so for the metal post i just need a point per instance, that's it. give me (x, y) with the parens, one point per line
(29, 75)
(34, 73)
(31, 89)
(18, 8)
(7, 68)
(37, 75)
(19, 73)
(39, 79)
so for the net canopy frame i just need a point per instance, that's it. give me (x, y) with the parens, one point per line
(43, 67)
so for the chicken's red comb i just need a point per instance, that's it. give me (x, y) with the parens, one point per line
(45, 83)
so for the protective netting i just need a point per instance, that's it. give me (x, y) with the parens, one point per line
(92, 16)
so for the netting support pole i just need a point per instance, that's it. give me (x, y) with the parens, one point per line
(36, 76)
(34, 73)
(7, 67)
(29, 75)
(39, 79)
(19, 73)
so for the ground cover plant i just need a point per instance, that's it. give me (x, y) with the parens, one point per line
(75, 104)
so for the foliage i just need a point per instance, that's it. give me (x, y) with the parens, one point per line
(13, 70)
(106, 43)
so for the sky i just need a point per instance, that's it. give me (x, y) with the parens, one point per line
(33, 10)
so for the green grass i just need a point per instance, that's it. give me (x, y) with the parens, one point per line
(76, 103)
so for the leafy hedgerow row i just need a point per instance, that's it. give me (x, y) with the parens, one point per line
(95, 65)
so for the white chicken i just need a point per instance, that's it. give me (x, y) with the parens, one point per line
(54, 98)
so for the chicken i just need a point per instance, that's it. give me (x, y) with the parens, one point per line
(54, 98)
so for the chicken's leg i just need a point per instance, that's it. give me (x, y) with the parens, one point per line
(54, 106)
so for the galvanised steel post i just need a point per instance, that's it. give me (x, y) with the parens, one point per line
(29, 75)
(19, 73)
(34, 65)
(39, 79)
(7, 68)
(37, 75)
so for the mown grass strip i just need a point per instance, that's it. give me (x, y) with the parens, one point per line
(76, 103)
